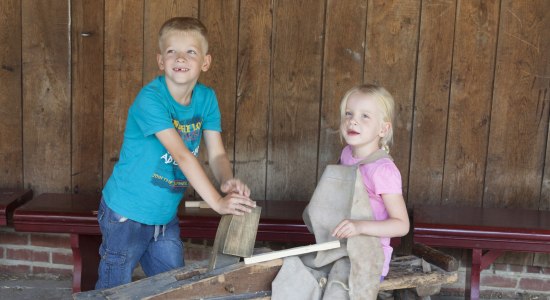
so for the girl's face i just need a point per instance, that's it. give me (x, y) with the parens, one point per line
(362, 125)
(183, 57)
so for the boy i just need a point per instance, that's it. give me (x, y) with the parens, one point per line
(137, 214)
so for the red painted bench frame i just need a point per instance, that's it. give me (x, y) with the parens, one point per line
(280, 221)
(488, 232)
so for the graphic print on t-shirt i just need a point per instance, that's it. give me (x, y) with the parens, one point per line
(168, 175)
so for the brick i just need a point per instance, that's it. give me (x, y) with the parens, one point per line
(19, 254)
(500, 267)
(51, 240)
(534, 284)
(65, 273)
(14, 238)
(41, 256)
(517, 268)
(62, 258)
(533, 269)
(27, 255)
(15, 269)
(498, 281)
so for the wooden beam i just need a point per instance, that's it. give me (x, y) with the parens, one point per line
(291, 252)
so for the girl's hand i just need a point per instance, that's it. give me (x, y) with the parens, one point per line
(235, 204)
(346, 229)
(234, 185)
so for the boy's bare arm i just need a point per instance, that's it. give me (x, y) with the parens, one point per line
(220, 165)
(193, 171)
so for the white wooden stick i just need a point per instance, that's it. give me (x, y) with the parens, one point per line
(290, 252)
(199, 204)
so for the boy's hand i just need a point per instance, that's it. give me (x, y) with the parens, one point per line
(345, 229)
(235, 186)
(235, 204)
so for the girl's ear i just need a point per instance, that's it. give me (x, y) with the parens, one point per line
(384, 128)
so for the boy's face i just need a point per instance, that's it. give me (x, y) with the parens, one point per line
(183, 56)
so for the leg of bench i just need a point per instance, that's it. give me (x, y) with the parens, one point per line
(475, 273)
(479, 263)
(85, 260)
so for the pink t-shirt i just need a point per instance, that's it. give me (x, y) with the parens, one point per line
(379, 177)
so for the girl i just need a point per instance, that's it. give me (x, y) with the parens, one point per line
(366, 126)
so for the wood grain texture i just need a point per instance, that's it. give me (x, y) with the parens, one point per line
(253, 94)
(122, 73)
(221, 20)
(470, 104)
(87, 96)
(156, 13)
(46, 96)
(343, 64)
(295, 106)
(11, 127)
(519, 116)
(432, 101)
(390, 60)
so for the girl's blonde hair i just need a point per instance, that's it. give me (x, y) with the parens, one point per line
(385, 102)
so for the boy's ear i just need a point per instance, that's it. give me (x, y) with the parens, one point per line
(160, 62)
(207, 62)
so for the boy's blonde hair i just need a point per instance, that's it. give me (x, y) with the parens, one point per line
(183, 24)
(385, 102)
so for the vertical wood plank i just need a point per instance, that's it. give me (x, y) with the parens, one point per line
(470, 105)
(11, 128)
(156, 13)
(431, 101)
(46, 96)
(252, 112)
(519, 117)
(342, 69)
(296, 77)
(221, 18)
(390, 61)
(87, 95)
(122, 73)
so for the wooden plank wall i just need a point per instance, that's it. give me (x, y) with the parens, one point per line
(471, 80)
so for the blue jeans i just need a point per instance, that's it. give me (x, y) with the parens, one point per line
(125, 243)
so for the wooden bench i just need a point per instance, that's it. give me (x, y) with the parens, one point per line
(9, 200)
(280, 221)
(488, 232)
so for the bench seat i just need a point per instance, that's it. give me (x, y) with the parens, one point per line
(488, 232)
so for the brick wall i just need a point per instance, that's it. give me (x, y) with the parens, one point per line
(35, 253)
(506, 281)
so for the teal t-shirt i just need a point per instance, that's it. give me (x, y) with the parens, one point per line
(146, 184)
